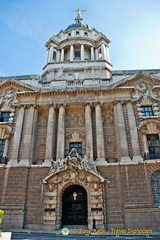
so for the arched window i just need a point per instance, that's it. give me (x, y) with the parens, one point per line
(155, 182)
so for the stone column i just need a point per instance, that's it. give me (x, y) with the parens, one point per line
(50, 136)
(99, 133)
(122, 137)
(17, 136)
(107, 53)
(96, 53)
(51, 53)
(92, 53)
(58, 56)
(47, 56)
(28, 138)
(133, 133)
(34, 134)
(89, 135)
(62, 55)
(82, 52)
(145, 144)
(61, 133)
(71, 52)
(103, 50)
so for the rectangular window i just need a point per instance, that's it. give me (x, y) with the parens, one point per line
(77, 32)
(77, 146)
(4, 116)
(147, 111)
(77, 54)
(154, 146)
(2, 144)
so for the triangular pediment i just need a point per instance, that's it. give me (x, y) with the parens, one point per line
(9, 89)
(17, 85)
(133, 80)
(75, 134)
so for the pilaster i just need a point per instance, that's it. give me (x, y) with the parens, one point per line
(133, 133)
(17, 136)
(28, 137)
(122, 137)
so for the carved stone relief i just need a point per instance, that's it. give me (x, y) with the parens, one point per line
(108, 118)
(42, 122)
(75, 119)
(143, 90)
(6, 98)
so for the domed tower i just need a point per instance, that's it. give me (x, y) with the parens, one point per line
(77, 54)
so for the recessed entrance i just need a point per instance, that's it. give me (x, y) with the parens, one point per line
(74, 206)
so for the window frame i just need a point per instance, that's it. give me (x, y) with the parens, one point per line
(77, 148)
(2, 146)
(147, 111)
(77, 54)
(3, 118)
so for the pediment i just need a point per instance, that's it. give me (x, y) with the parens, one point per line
(17, 85)
(75, 135)
(133, 80)
(9, 89)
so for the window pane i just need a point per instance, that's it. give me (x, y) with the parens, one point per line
(147, 111)
(4, 116)
(77, 146)
(2, 143)
(77, 54)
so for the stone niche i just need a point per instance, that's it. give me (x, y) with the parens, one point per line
(73, 170)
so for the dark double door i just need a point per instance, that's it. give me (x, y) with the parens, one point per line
(74, 206)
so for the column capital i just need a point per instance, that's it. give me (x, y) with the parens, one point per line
(88, 104)
(115, 102)
(31, 105)
(51, 105)
(123, 102)
(98, 104)
(61, 105)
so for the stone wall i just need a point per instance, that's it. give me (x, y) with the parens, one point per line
(128, 196)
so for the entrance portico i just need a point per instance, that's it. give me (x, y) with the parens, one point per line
(73, 194)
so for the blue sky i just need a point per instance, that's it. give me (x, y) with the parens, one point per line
(133, 26)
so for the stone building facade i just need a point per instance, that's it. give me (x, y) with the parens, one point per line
(81, 141)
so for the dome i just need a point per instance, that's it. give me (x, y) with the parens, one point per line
(77, 25)
(78, 21)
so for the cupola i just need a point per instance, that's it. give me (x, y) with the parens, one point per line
(77, 53)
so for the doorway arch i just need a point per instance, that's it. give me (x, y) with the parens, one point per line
(74, 206)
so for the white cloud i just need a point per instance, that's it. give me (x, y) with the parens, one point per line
(27, 23)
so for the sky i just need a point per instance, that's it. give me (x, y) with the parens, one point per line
(132, 26)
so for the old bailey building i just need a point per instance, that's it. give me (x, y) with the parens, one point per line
(81, 141)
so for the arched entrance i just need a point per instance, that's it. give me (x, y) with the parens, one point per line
(74, 206)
